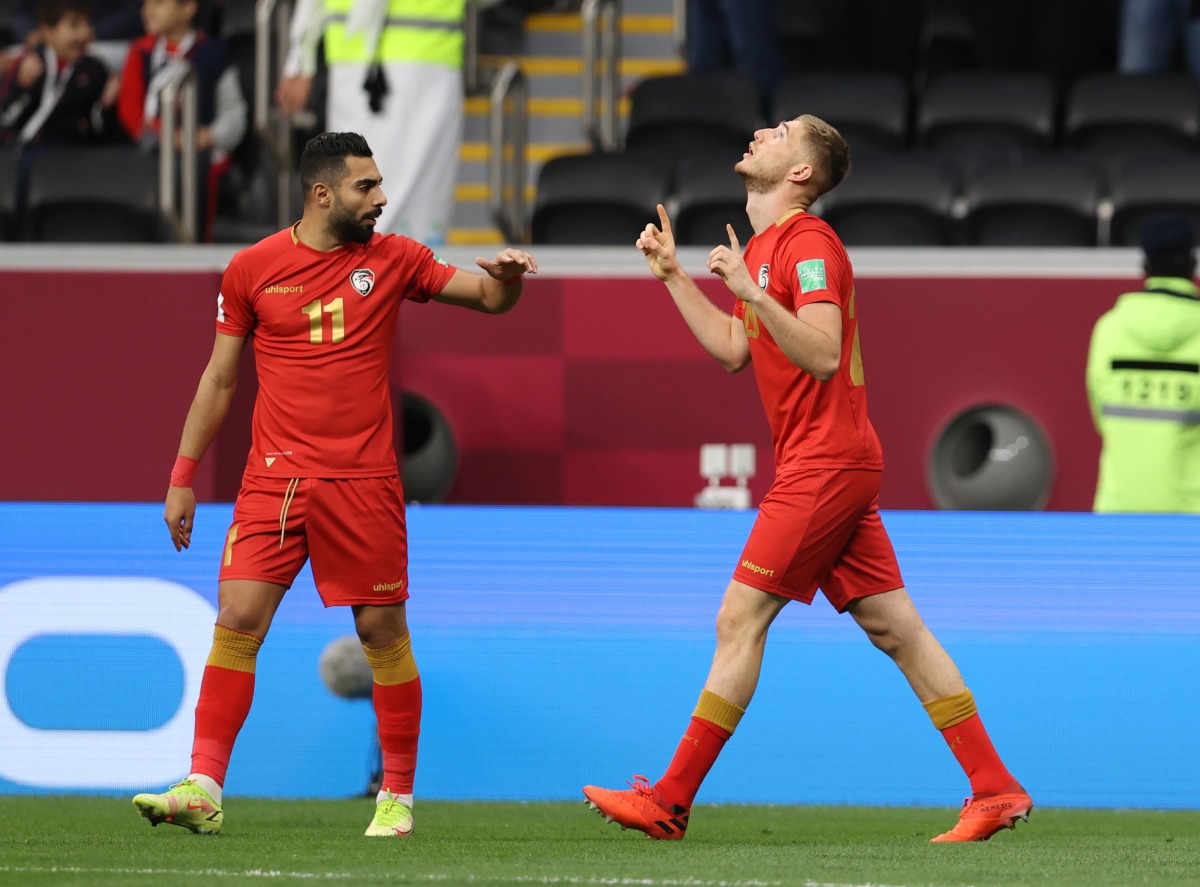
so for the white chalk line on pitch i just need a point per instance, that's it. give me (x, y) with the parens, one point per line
(399, 876)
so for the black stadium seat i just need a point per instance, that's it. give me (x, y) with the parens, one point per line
(869, 108)
(1049, 200)
(1016, 107)
(893, 200)
(685, 113)
(8, 196)
(1133, 112)
(1152, 186)
(601, 199)
(709, 195)
(94, 195)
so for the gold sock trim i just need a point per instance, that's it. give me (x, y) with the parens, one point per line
(949, 711)
(235, 650)
(715, 710)
(393, 665)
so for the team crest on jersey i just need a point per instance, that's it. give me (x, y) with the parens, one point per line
(363, 280)
(764, 276)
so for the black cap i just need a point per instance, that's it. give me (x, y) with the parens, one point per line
(1168, 236)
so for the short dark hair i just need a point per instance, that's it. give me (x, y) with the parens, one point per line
(51, 12)
(832, 153)
(324, 157)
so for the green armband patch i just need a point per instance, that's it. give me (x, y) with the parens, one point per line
(812, 275)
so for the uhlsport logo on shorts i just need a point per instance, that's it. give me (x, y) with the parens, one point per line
(363, 280)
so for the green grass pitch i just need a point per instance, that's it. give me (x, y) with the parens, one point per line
(101, 841)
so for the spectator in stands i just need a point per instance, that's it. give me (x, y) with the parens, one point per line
(172, 44)
(1143, 380)
(55, 94)
(1154, 33)
(395, 75)
(111, 19)
(724, 35)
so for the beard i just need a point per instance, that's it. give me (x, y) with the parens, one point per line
(763, 180)
(347, 227)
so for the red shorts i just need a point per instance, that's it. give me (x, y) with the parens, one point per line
(820, 528)
(352, 529)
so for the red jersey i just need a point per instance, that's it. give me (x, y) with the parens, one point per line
(798, 261)
(323, 326)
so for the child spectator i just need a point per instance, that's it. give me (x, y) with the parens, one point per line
(172, 44)
(54, 93)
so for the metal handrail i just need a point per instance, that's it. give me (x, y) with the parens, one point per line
(272, 125)
(182, 213)
(679, 26)
(601, 74)
(508, 137)
(471, 25)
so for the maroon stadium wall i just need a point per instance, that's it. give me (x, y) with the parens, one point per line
(591, 391)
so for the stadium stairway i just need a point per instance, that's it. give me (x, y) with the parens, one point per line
(551, 60)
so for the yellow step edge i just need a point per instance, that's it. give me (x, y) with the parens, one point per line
(629, 24)
(549, 66)
(471, 236)
(478, 192)
(476, 152)
(542, 107)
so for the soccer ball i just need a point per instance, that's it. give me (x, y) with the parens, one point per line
(344, 668)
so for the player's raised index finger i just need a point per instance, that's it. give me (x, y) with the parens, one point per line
(664, 218)
(733, 241)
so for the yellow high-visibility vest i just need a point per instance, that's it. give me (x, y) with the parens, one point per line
(428, 31)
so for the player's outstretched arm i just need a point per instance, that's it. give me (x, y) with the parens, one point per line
(494, 292)
(721, 334)
(209, 407)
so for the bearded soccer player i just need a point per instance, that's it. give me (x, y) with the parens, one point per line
(320, 300)
(795, 319)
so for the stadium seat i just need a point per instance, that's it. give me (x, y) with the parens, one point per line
(685, 113)
(818, 35)
(1016, 108)
(891, 33)
(1068, 39)
(1133, 112)
(7, 35)
(869, 108)
(8, 196)
(94, 195)
(947, 41)
(601, 199)
(1050, 200)
(1152, 186)
(708, 195)
(893, 200)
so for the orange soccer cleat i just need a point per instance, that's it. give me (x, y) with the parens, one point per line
(983, 817)
(639, 808)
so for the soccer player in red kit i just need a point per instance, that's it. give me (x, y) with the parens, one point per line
(818, 527)
(320, 302)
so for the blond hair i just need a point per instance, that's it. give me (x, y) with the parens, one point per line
(827, 150)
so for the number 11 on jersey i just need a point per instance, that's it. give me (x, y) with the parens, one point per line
(316, 327)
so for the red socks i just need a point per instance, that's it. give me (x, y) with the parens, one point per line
(713, 722)
(958, 721)
(397, 697)
(226, 691)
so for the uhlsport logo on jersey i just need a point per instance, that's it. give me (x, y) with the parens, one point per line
(362, 279)
(764, 276)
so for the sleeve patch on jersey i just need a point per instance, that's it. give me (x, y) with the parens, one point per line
(812, 275)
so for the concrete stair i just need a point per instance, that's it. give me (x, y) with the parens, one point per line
(551, 60)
